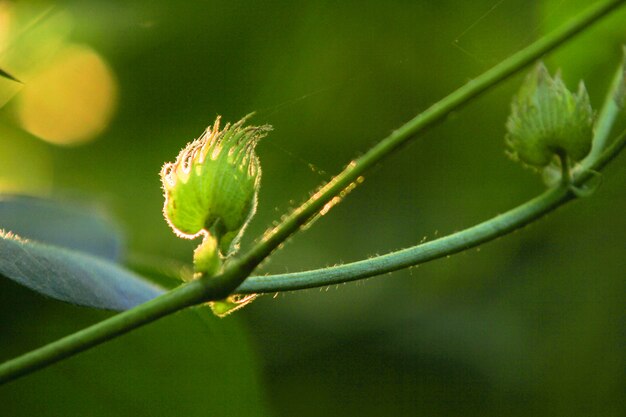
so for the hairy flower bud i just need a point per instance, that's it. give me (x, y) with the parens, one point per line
(547, 119)
(212, 186)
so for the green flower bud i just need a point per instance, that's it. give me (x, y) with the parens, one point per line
(206, 257)
(547, 119)
(211, 188)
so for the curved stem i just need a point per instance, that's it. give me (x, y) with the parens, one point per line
(184, 296)
(611, 108)
(457, 242)
(218, 287)
(448, 245)
(434, 114)
(566, 176)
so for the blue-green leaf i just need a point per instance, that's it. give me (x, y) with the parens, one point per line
(72, 276)
(61, 223)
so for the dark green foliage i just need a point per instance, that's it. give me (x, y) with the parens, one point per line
(191, 364)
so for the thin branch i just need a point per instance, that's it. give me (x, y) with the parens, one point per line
(431, 116)
(211, 288)
(103, 331)
(457, 242)
(611, 108)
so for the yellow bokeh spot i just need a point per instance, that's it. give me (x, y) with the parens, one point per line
(71, 100)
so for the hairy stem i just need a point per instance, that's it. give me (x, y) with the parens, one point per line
(457, 242)
(218, 287)
(434, 114)
(566, 176)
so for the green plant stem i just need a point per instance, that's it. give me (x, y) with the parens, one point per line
(218, 287)
(108, 329)
(457, 242)
(609, 112)
(434, 114)
(192, 293)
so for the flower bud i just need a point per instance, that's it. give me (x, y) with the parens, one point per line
(212, 186)
(547, 119)
(206, 257)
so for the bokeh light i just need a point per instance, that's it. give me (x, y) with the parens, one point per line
(69, 92)
(71, 100)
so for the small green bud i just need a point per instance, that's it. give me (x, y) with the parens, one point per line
(206, 257)
(548, 120)
(211, 188)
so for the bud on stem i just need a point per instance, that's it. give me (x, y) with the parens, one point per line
(547, 121)
(211, 191)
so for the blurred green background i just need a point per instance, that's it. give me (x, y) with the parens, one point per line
(532, 324)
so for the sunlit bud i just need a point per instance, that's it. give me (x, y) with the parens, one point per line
(212, 186)
(206, 257)
(547, 119)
